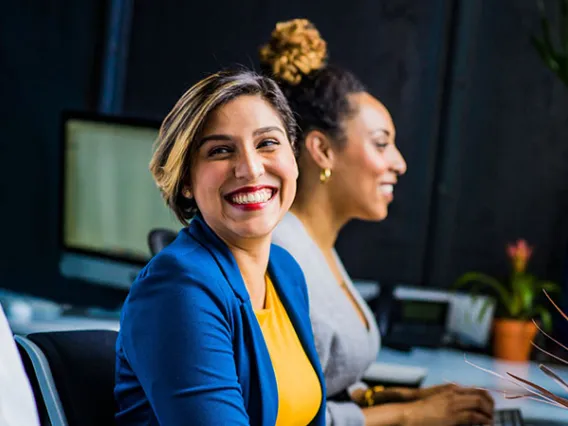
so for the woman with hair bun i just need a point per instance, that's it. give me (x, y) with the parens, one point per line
(349, 166)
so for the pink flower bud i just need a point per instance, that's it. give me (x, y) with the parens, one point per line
(520, 253)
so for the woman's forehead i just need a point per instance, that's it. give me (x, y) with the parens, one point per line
(371, 116)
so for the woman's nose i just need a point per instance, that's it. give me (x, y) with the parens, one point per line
(249, 166)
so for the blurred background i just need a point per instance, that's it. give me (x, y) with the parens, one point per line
(481, 120)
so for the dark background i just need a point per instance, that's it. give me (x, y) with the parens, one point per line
(482, 123)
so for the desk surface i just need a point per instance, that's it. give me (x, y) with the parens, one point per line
(63, 324)
(445, 365)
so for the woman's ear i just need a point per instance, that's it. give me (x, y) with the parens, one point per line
(319, 147)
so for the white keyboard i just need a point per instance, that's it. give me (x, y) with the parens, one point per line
(395, 373)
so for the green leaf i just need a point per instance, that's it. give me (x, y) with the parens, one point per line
(553, 64)
(549, 286)
(525, 291)
(545, 317)
(516, 308)
(546, 55)
(483, 310)
(485, 281)
(555, 59)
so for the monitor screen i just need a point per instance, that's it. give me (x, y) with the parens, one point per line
(110, 202)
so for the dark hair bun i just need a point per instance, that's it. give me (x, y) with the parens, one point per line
(295, 50)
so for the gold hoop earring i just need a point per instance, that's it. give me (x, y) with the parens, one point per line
(325, 174)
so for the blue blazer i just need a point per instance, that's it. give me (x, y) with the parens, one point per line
(190, 350)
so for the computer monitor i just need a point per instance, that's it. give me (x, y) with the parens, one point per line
(109, 201)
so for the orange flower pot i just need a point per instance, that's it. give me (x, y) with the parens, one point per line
(512, 339)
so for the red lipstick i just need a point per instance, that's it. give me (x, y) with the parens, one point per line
(247, 205)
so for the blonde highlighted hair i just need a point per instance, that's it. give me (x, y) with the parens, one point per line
(175, 146)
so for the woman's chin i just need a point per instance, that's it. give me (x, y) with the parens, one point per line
(375, 214)
(253, 228)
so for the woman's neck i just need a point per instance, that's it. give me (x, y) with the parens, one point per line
(252, 260)
(251, 257)
(315, 209)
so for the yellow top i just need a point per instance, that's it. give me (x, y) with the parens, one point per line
(299, 389)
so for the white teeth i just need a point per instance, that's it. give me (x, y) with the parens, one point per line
(260, 196)
(387, 189)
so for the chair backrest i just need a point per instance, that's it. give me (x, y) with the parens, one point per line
(159, 238)
(17, 400)
(75, 371)
(41, 406)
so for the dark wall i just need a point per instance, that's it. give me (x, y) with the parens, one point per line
(49, 53)
(407, 74)
(482, 123)
(505, 158)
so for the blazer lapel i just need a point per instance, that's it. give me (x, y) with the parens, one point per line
(200, 231)
(267, 401)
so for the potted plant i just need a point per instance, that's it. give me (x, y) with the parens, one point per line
(518, 298)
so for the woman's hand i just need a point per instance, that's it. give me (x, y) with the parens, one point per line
(449, 405)
(410, 394)
(386, 396)
(433, 390)
(401, 394)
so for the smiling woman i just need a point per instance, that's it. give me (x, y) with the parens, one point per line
(216, 327)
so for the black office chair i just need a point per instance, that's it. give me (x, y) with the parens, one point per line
(74, 371)
(41, 407)
(159, 238)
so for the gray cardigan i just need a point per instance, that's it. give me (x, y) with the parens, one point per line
(345, 347)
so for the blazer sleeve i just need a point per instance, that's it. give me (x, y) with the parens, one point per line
(177, 339)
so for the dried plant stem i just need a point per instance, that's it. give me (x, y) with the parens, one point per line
(536, 392)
